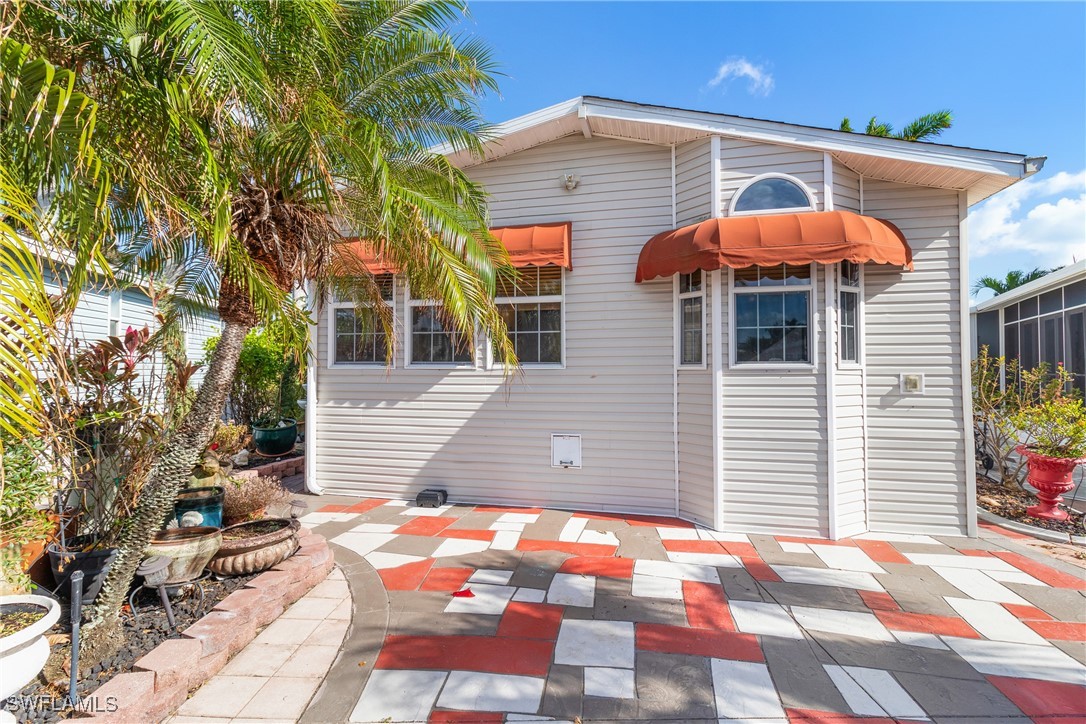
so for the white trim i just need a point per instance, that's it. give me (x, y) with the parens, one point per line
(1061, 277)
(812, 324)
(861, 193)
(409, 304)
(311, 402)
(116, 296)
(717, 330)
(812, 205)
(331, 308)
(827, 182)
(859, 292)
(678, 300)
(830, 271)
(968, 463)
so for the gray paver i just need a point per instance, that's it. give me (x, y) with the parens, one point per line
(799, 594)
(411, 545)
(940, 696)
(475, 521)
(642, 610)
(673, 685)
(547, 526)
(422, 624)
(640, 542)
(562, 698)
(852, 651)
(1065, 604)
(607, 586)
(799, 677)
(740, 585)
(1074, 649)
(807, 560)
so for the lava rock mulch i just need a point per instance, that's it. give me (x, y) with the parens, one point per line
(42, 701)
(1011, 503)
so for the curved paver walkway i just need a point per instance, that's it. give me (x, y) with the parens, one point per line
(611, 617)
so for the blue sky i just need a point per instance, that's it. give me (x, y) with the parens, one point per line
(1014, 74)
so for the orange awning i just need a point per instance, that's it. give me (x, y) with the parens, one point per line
(375, 263)
(537, 244)
(823, 237)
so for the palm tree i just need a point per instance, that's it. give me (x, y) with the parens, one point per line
(1014, 278)
(927, 126)
(306, 123)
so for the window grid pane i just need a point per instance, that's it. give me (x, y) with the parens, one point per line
(431, 342)
(780, 333)
(691, 329)
(849, 331)
(535, 328)
(359, 340)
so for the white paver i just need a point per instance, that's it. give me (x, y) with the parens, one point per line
(363, 543)
(828, 577)
(846, 558)
(476, 691)
(721, 537)
(888, 694)
(613, 683)
(949, 560)
(499, 525)
(976, 584)
(595, 643)
(717, 560)
(767, 619)
(598, 537)
(899, 538)
(1023, 661)
(680, 571)
(380, 560)
(489, 575)
(677, 533)
(259, 660)
(847, 623)
(282, 697)
(288, 631)
(656, 587)
(744, 689)
(374, 528)
(488, 599)
(311, 608)
(519, 518)
(530, 595)
(572, 529)
(222, 696)
(505, 540)
(312, 520)
(400, 503)
(915, 638)
(790, 547)
(459, 547)
(858, 700)
(426, 512)
(994, 622)
(1015, 577)
(572, 589)
(398, 695)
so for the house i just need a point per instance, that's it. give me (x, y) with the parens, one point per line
(1043, 321)
(753, 325)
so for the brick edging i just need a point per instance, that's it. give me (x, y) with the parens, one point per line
(282, 468)
(161, 680)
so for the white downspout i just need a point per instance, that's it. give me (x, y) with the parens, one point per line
(968, 461)
(311, 398)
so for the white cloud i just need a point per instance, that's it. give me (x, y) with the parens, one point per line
(759, 79)
(1039, 222)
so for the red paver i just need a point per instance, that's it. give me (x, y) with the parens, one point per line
(446, 579)
(492, 654)
(467, 534)
(1030, 613)
(743, 550)
(1040, 571)
(697, 642)
(368, 504)
(406, 577)
(466, 717)
(643, 520)
(531, 621)
(927, 623)
(811, 716)
(760, 570)
(588, 550)
(881, 552)
(425, 525)
(693, 546)
(332, 509)
(506, 509)
(1043, 700)
(707, 606)
(599, 566)
(1059, 630)
(879, 601)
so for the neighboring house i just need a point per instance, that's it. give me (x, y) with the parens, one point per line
(1043, 321)
(664, 375)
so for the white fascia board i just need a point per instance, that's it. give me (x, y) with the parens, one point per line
(1066, 275)
(522, 123)
(986, 162)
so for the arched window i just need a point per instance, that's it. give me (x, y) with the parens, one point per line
(772, 192)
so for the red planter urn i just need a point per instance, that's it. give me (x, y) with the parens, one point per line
(1052, 478)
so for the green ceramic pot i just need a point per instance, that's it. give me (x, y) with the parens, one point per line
(272, 441)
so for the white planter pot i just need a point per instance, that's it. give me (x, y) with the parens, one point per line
(23, 653)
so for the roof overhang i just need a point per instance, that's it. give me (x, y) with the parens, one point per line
(1068, 274)
(980, 173)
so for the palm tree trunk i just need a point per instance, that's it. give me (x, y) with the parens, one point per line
(102, 635)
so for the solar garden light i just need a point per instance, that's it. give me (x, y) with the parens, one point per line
(155, 570)
(298, 508)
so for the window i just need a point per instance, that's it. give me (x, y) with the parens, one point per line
(531, 307)
(691, 318)
(358, 337)
(1076, 348)
(773, 192)
(849, 341)
(433, 339)
(772, 314)
(115, 314)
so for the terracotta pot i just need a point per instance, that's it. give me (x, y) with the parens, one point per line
(242, 556)
(1052, 478)
(188, 548)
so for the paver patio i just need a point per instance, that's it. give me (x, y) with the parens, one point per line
(619, 617)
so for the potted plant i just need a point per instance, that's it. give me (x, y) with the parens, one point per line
(201, 506)
(249, 498)
(254, 546)
(24, 620)
(189, 550)
(25, 517)
(1055, 430)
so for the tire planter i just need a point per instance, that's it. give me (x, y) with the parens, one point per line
(201, 506)
(272, 441)
(94, 564)
(1052, 478)
(189, 549)
(24, 652)
(242, 556)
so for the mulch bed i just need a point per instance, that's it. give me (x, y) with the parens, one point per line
(46, 702)
(1012, 503)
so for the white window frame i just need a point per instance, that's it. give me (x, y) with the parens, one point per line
(332, 307)
(410, 304)
(545, 299)
(115, 313)
(678, 297)
(812, 205)
(812, 318)
(859, 292)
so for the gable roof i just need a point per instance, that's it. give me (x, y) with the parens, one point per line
(979, 172)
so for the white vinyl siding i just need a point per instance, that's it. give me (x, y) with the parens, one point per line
(484, 437)
(693, 165)
(696, 481)
(912, 321)
(846, 188)
(740, 161)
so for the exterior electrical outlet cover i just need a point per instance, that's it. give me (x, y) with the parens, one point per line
(912, 384)
(565, 451)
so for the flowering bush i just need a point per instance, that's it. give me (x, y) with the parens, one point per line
(1055, 424)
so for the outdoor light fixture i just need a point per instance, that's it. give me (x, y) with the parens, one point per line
(155, 570)
(570, 181)
(297, 508)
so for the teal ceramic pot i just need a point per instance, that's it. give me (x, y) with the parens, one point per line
(272, 441)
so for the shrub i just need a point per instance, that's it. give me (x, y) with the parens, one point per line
(267, 384)
(1055, 424)
(26, 489)
(229, 439)
(246, 496)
